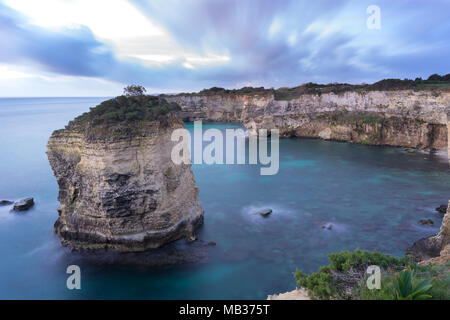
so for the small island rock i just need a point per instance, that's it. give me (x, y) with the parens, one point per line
(327, 226)
(442, 208)
(5, 202)
(23, 204)
(263, 212)
(119, 189)
(427, 222)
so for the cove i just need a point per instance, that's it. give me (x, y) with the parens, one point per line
(374, 197)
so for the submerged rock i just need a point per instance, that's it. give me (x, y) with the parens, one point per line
(5, 202)
(427, 222)
(263, 212)
(327, 226)
(23, 204)
(118, 186)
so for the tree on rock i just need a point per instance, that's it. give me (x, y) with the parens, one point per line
(134, 90)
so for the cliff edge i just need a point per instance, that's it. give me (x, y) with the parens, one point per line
(404, 118)
(118, 187)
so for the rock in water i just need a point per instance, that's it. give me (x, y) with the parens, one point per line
(442, 209)
(327, 226)
(118, 186)
(427, 222)
(264, 212)
(5, 202)
(23, 204)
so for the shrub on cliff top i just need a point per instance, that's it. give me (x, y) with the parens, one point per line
(128, 109)
(244, 90)
(285, 93)
(123, 115)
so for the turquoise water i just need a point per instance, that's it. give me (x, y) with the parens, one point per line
(374, 196)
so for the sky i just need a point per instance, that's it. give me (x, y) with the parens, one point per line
(96, 47)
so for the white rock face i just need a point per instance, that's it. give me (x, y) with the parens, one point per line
(124, 194)
(406, 118)
(297, 294)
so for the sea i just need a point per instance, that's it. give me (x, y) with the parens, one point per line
(373, 196)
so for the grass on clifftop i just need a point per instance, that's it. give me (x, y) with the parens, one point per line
(345, 277)
(123, 116)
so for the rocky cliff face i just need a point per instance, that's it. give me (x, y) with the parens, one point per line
(121, 190)
(405, 118)
(435, 249)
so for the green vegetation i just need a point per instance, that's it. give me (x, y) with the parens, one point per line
(127, 109)
(364, 142)
(123, 116)
(338, 279)
(407, 287)
(244, 90)
(435, 278)
(434, 82)
(345, 278)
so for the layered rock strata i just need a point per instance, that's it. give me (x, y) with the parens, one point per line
(121, 191)
(406, 118)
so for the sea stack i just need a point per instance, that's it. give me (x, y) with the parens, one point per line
(118, 187)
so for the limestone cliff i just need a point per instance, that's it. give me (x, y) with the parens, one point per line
(118, 187)
(405, 118)
(435, 249)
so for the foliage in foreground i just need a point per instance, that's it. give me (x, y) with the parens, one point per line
(407, 287)
(345, 278)
(435, 275)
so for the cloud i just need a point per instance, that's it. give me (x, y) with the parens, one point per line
(232, 43)
(67, 51)
(288, 42)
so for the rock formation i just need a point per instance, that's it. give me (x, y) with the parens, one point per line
(426, 222)
(435, 248)
(297, 294)
(407, 118)
(23, 204)
(442, 208)
(263, 212)
(118, 187)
